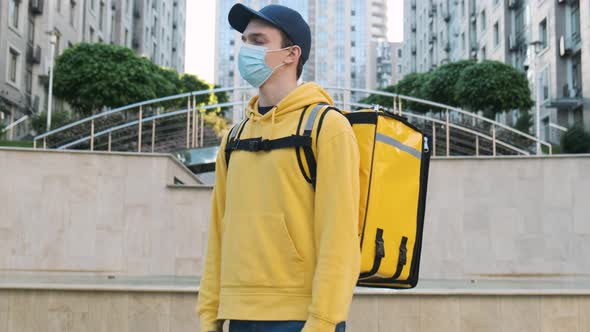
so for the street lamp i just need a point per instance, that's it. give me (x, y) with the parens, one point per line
(537, 81)
(52, 42)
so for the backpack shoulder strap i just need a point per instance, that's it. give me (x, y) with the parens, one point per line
(318, 110)
(233, 136)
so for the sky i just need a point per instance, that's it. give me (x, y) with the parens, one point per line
(200, 34)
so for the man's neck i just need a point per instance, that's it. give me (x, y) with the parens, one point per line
(272, 94)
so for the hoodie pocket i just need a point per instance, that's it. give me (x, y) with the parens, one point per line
(258, 251)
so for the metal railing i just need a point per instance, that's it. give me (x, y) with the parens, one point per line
(452, 130)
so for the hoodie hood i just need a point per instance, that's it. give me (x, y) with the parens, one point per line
(304, 95)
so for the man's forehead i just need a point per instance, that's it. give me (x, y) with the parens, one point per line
(260, 27)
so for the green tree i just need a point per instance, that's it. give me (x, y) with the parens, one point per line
(411, 85)
(493, 87)
(524, 122)
(576, 140)
(90, 76)
(58, 119)
(2, 127)
(440, 87)
(222, 97)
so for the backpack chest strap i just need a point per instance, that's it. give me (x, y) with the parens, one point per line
(259, 144)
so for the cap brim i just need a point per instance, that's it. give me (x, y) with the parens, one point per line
(240, 15)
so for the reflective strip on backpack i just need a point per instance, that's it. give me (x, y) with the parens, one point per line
(395, 143)
(312, 116)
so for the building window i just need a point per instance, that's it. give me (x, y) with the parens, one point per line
(126, 37)
(545, 84)
(483, 20)
(462, 8)
(352, 28)
(29, 81)
(101, 16)
(57, 43)
(232, 42)
(31, 32)
(14, 13)
(575, 22)
(72, 12)
(483, 53)
(399, 69)
(463, 44)
(352, 13)
(128, 6)
(543, 33)
(496, 35)
(13, 65)
(91, 34)
(399, 53)
(92, 5)
(58, 5)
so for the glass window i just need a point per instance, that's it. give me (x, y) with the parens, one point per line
(72, 12)
(543, 33)
(29, 81)
(545, 84)
(496, 35)
(483, 20)
(575, 22)
(101, 16)
(13, 65)
(14, 13)
(31, 32)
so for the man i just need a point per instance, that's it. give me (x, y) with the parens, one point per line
(282, 255)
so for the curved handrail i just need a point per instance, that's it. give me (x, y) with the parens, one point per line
(447, 108)
(130, 106)
(146, 119)
(239, 103)
(439, 105)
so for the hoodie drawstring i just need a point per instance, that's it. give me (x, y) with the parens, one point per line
(272, 121)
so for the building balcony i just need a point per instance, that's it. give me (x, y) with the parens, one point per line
(36, 7)
(570, 46)
(571, 98)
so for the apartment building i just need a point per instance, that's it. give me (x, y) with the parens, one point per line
(385, 64)
(545, 39)
(153, 28)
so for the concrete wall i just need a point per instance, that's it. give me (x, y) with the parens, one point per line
(114, 213)
(99, 213)
(24, 311)
(104, 242)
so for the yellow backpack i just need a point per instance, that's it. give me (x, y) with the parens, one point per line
(394, 162)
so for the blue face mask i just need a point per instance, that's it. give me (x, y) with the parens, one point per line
(252, 65)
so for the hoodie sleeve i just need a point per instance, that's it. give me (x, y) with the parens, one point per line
(336, 227)
(208, 301)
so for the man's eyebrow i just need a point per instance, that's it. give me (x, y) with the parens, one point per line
(253, 35)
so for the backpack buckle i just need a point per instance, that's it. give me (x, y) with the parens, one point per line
(254, 145)
(265, 145)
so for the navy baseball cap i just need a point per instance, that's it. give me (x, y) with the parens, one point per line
(283, 18)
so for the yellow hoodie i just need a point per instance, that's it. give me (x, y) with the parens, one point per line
(277, 250)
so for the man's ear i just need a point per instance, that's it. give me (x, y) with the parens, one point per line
(294, 55)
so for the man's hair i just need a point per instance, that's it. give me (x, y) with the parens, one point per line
(286, 42)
